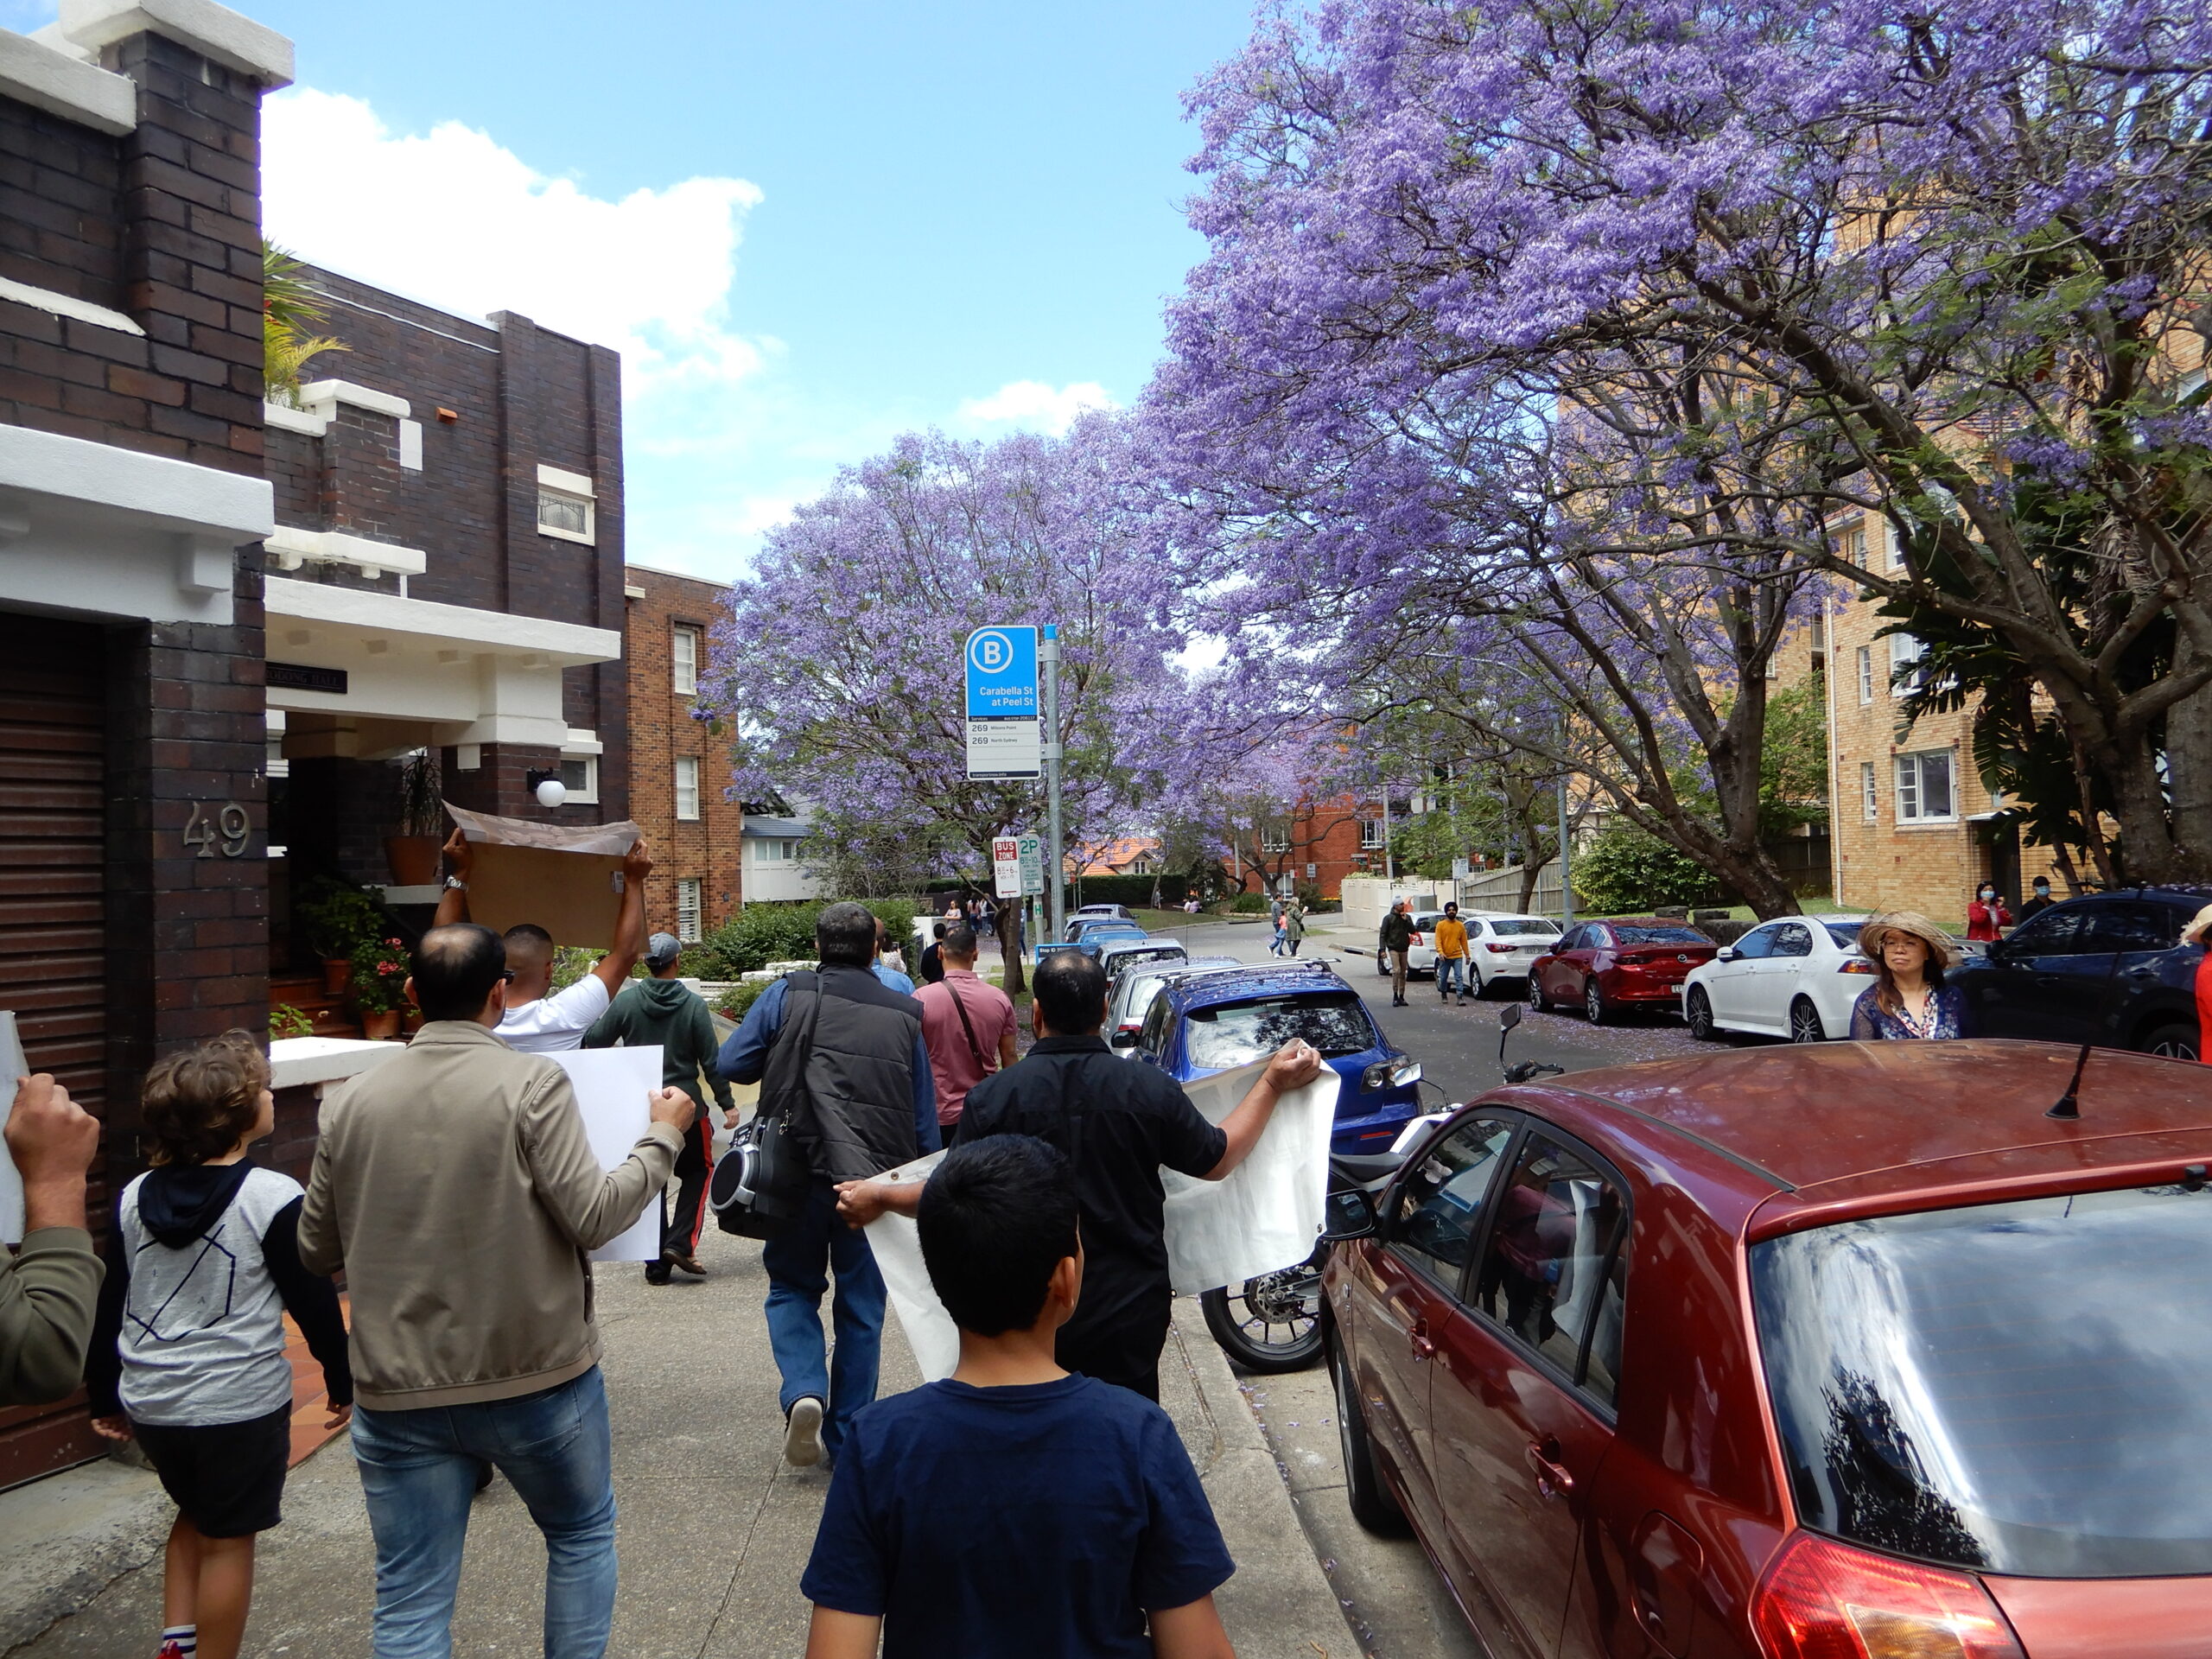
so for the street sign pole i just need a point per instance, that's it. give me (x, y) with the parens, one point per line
(1048, 665)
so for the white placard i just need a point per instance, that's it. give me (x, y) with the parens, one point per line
(1005, 748)
(1006, 867)
(13, 1066)
(1265, 1215)
(612, 1086)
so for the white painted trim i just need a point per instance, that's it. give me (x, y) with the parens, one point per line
(294, 1061)
(360, 397)
(410, 446)
(582, 743)
(290, 547)
(491, 632)
(553, 478)
(285, 417)
(65, 305)
(35, 72)
(217, 33)
(629, 591)
(177, 494)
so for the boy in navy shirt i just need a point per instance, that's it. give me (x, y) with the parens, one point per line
(1013, 1509)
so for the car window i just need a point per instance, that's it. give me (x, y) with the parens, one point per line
(1152, 1039)
(1658, 935)
(2130, 927)
(1793, 939)
(1440, 1204)
(1845, 934)
(1546, 1273)
(1237, 1033)
(1756, 945)
(1514, 928)
(2054, 933)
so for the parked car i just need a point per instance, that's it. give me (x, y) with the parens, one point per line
(1848, 1349)
(1607, 967)
(1797, 977)
(1089, 933)
(1204, 1023)
(2110, 969)
(1139, 984)
(1503, 945)
(1116, 912)
(1116, 955)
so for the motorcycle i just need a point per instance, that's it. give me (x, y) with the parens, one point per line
(1272, 1323)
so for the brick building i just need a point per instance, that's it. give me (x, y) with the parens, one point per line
(679, 766)
(133, 878)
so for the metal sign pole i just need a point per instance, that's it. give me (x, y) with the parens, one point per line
(1048, 665)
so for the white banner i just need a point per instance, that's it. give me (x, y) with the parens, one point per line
(1265, 1215)
(612, 1086)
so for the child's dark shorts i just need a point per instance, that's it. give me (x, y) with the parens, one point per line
(227, 1477)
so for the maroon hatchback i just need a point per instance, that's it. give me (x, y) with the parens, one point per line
(1844, 1351)
(1604, 968)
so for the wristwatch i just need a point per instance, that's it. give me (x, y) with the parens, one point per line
(455, 883)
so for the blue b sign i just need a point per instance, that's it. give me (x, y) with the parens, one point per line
(1002, 674)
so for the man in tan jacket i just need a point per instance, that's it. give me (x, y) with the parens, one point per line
(454, 1186)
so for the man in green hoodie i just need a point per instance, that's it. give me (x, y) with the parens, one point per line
(663, 1010)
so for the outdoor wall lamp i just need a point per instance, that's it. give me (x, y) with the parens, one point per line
(547, 786)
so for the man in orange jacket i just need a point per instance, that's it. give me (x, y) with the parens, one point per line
(1451, 962)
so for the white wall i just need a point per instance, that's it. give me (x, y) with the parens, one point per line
(775, 883)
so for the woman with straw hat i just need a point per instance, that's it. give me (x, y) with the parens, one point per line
(2199, 926)
(1908, 998)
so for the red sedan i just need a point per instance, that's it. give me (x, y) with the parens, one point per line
(1604, 967)
(1844, 1351)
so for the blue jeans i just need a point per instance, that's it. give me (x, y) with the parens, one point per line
(1449, 970)
(799, 1264)
(418, 1473)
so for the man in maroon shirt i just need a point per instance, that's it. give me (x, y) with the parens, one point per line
(967, 1025)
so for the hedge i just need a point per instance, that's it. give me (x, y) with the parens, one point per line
(761, 933)
(1135, 889)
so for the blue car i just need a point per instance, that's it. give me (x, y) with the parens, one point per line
(1089, 933)
(1214, 1021)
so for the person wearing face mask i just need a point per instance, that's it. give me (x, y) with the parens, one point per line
(1986, 916)
(2039, 900)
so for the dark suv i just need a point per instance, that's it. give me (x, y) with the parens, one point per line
(2110, 970)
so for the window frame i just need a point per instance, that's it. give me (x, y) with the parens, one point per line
(575, 488)
(1917, 790)
(1902, 684)
(683, 684)
(1870, 793)
(584, 794)
(1866, 675)
(1387, 1230)
(698, 904)
(698, 806)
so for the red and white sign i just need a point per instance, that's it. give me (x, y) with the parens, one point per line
(1006, 867)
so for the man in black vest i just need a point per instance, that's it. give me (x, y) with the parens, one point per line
(1118, 1123)
(839, 1055)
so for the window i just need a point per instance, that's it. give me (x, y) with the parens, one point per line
(1905, 653)
(564, 505)
(1793, 939)
(1870, 800)
(684, 655)
(1889, 539)
(1152, 1041)
(1622, 935)
(1548, 1274)
(774, 852)
(1854, 546)
(1371, 833)
(1758, 944)
(1866, 673)
(687, 786)
(2063, 932)
(1274, 838)
(1238, 1033)
(2131, 927)
(1441, 1205)
(687, 909)
(580, 777)
(1924, 788)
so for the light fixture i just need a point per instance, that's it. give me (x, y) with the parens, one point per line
(547, 786)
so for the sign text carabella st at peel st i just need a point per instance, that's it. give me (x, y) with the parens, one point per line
(1004, 736)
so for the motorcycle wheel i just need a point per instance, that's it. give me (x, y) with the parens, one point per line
(1271, 1323)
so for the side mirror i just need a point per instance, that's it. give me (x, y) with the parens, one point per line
(1725, 953)
(1122, 1039)
(1349, 1214)
(1509, 1016)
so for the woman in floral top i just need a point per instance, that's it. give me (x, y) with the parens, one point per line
(1908, 998)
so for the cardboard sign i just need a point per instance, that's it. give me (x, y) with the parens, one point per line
(611, 1085)
(573, 896)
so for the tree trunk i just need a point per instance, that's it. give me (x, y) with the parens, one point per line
(1008, 927)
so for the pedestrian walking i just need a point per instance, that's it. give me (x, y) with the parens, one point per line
(455, 1187)
(2039, 898)
(1908, 998)
(191, 1362)
(50, 1286)
(540, 1019)
(1081, 1528)
(1277, 945)
(1293, 926)
(967, 1024)
(1120, 1124)
(839, 1057)
(933, 962)
(1397, 937)
(888, 965)
(665, 1011)
(1986, 916)
(1453, 966)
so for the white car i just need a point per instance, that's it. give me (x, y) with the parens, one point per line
(1500, 944)
(1795, 977)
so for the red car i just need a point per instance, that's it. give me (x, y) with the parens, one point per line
(1844, 1351)
(1607, 966)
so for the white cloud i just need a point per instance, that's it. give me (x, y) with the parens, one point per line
(453, 219)
(1032, 403)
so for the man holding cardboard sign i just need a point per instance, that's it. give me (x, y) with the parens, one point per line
(539, 1019)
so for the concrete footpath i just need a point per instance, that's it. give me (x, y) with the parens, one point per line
(714, 1528)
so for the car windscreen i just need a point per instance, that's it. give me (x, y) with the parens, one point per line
(1237, 1033)
(1658, 935)
(2021, 1388)
(1845, 934)
(1510, 928)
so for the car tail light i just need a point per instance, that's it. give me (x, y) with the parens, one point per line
(1501, 949)
(1420, 938)
(1825, 1600)
(1857, 965)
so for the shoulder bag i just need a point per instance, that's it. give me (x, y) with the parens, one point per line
(760, 1185)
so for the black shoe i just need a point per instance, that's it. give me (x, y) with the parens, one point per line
(656, 1273)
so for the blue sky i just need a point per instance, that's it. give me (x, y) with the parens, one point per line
(808, 226)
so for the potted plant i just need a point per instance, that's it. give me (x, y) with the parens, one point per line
(413, 853)
(337, 917)
(379, 986)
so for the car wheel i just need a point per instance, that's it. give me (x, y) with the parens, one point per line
(1537, 1003)
(1805, 1025)
(1373, 1504)
(2174, 1042)
(1697, 1014)
(1593, 1001)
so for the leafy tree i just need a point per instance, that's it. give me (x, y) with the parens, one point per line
(1622, 869)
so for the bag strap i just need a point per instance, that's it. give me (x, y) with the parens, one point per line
(961, 1009)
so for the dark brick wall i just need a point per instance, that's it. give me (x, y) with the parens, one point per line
(60, 206)
(295, 468)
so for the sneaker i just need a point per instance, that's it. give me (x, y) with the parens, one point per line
(803, 1432)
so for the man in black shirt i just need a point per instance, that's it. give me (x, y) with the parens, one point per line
(1118, 1121)
(932, 965)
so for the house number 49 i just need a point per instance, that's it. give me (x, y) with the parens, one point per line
(228, 830)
